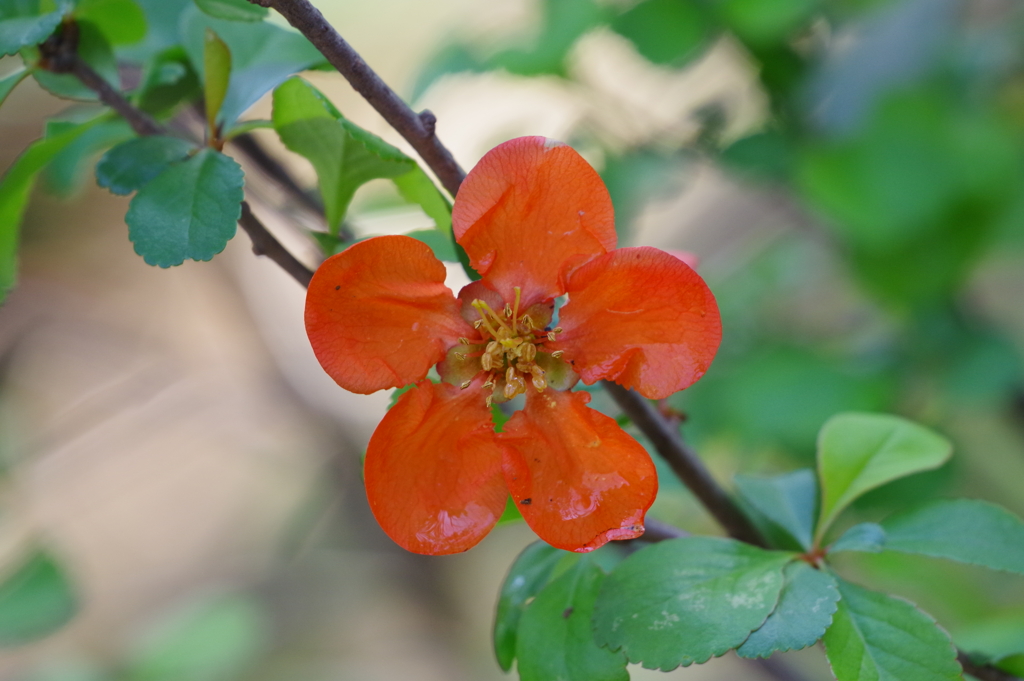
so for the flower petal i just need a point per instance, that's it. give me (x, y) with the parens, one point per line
(529, 211)
(642, 318)
(378, 314)
(433, 470)
(578, 479)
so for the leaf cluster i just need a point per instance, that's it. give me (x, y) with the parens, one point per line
(683, 601)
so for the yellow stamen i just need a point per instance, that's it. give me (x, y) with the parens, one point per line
(515, 312)
(557, 353)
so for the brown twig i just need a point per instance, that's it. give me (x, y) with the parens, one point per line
(685, 464)
(983, 672)
(416, 128)
(264, 243)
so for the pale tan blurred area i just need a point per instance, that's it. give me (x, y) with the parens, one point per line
(174, 436)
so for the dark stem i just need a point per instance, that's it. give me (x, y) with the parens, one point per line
(983, 672)
(263, 242)
(417, 129)
(255, 152)
(686, 464)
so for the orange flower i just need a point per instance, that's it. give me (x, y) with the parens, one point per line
(537, 224)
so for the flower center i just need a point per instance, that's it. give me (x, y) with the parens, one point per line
(512, 350)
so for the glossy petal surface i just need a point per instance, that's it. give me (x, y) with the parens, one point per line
(433, 470)
(578, 478)
(378, 314)
(642, 318)
(530, 211)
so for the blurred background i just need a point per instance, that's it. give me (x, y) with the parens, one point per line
(849, 172)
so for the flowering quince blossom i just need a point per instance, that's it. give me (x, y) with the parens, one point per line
(536, 222)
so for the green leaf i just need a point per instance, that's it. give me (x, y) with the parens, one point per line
(564, 21)
(344, 155)
(232, 10)
(764, 22)
(555, 639)
(66, 172)
(788, 500)
(666, 31)
(867, 537)
(993, 639)
(262, 57)
(804, 612)
(94, 49)
(858, 452)
(122, 21)
(167, 80)
(511, 514)
(131, 165)
(965, 530)
(217, 70)
(440, 243)
(416, 187)
(246, 127)
(687, 600)
(874, 637)
(10, 81)
(15, 189)
(527, 576)
(212, 640)
(189, 211)
(35, 600)
(23, 25)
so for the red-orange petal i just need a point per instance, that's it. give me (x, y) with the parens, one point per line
(433, 470)
(378, 314)
(642, 318)
(578, 478)
(530, 211)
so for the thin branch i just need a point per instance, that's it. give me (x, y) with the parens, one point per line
(416, 128)
(255, 152)
(264, 243)
(686, 464)
(983, 672)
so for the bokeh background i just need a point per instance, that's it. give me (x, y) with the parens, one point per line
(849, 172)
